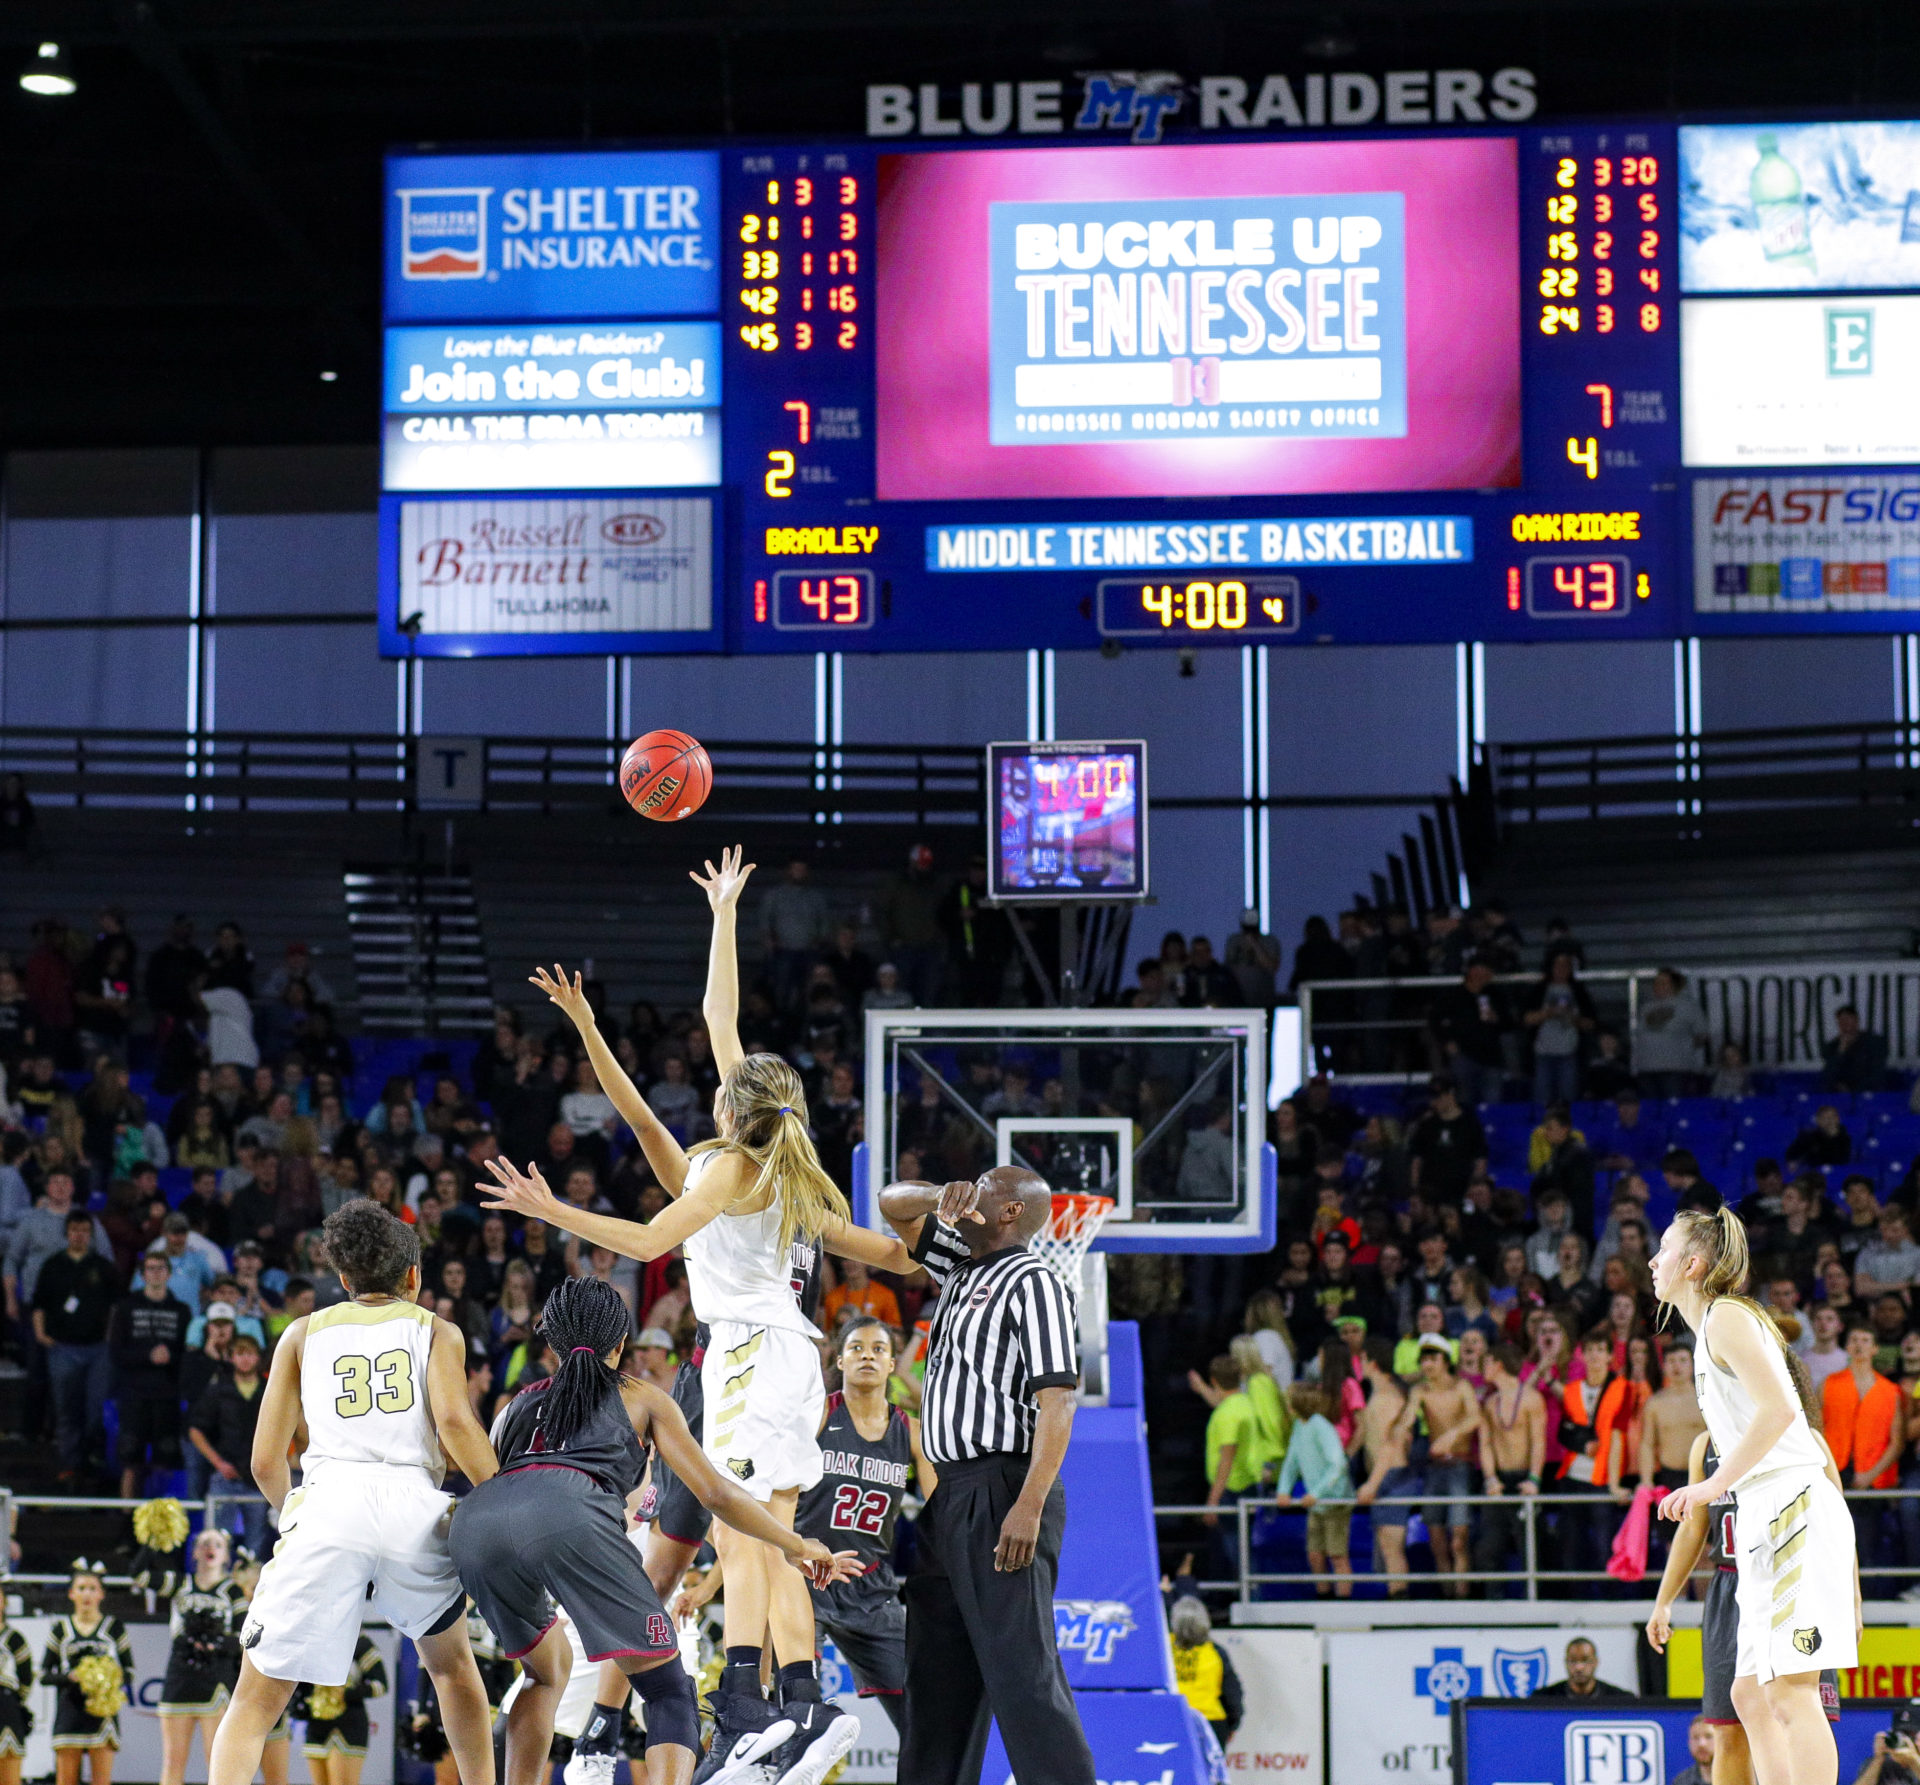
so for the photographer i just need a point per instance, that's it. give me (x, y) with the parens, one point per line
(1894, 1760)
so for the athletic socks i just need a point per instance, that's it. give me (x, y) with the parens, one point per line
(798, 1683)
(741, 1678)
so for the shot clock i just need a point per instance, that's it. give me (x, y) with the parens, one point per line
(1068, 822)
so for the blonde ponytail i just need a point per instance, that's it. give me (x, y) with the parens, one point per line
(1720, 1239)
(766, 1110)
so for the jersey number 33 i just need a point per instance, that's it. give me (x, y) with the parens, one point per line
(358, 1396)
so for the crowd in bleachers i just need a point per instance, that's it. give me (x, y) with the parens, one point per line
(1514, 1200)
(199, 1118)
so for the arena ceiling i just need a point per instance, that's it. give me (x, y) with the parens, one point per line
(190, 240)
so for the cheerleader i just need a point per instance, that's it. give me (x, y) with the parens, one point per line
(337, 1725)
(204, 1661)
(16, 1682)
(88, 1661)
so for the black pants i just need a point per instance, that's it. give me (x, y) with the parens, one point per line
(981, 1643)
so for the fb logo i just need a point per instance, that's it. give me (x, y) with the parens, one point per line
(1519, 1673)
(443, 232)
(1849, 343)
(1615, 1753)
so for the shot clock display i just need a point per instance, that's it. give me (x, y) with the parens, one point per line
(1068, 821)
(1419, 385)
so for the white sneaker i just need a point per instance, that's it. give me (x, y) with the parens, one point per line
(590, 1769)
(753, 1757)
(823, 1740)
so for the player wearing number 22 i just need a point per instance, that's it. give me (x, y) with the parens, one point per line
(868, 1447)
(380, 1383)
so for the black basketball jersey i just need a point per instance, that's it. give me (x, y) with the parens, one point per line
(861, 1485)
(605, 1447)
(1722, 1547)
(804, 1255)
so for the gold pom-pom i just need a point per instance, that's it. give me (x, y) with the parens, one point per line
(101, 1685)
(326, 1704)
(161, 1524)
(839, 1770)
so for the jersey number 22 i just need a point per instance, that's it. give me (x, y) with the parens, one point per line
(860, 1509)
(357, 1394)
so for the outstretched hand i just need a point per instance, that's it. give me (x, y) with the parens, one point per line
(823, 1566)
(565, 993)
(526, 1193)
(723, 885)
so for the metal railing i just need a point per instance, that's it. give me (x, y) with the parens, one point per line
(1403, 1007)
(1842, 768)
(1531, 1508)
(11, 1505)
(773, 782)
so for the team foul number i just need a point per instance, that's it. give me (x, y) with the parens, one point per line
(358, 1396)
(860, 1509)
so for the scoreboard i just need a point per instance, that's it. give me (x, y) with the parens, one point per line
(1626, 380)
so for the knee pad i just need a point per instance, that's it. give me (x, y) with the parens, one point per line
(673, 1712)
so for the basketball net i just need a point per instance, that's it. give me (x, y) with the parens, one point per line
(1071, 1230)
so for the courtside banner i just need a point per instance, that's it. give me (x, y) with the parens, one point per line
(1390, 1692)
(1604, 1742)
(1284, 1733)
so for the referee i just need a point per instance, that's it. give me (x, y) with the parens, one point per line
(1002, 1371)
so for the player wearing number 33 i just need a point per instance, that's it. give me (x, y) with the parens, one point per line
(381, 1384)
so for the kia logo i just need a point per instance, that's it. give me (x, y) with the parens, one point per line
(634, 529)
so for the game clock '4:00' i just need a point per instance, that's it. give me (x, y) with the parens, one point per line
(1136, 607)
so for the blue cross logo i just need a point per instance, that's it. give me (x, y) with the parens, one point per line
(1446, 1678)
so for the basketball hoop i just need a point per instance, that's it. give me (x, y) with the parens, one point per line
(1071, 1230)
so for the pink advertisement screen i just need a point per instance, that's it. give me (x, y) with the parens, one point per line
(1239, 319)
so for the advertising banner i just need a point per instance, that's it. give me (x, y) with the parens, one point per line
(1608, 1744)
(1815, 543)
(596, 406)
(582, 573)
(1265, 318)
(1285, 1728)
(1390, 1692)
(1799, 207)
(1291, 321)
(1889, 1664)
(139, 1756)
(508, 237)
(1137, 1738)
(1782, 1015)
(1799, 381)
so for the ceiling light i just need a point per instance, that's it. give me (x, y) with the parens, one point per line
(329, 377)
(50, 73)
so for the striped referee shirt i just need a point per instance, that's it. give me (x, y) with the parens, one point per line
(1003, 1330)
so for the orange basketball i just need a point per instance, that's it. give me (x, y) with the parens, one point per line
(666, 775)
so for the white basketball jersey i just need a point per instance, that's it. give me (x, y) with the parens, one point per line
(737, 1268)
(363, 1387)
(1729, 1411)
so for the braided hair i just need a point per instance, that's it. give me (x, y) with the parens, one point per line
(583, 1320)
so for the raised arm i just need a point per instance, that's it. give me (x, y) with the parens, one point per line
(528, 1193)
(906, 1207)
(665, 1154)
(877, 1251)
(721, 1006)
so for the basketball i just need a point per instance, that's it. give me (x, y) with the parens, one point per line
(666, 775)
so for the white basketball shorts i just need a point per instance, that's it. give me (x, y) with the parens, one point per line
(355, 1525)
(765, 1399)
(1796, 1576)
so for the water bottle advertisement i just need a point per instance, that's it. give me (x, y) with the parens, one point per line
(1799, 207)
